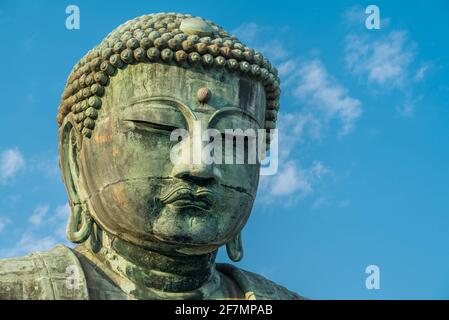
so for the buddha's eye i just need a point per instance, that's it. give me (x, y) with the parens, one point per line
(152, 126)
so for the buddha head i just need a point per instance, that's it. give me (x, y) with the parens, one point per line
(122, 102)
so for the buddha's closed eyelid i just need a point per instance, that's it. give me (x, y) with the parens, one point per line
(158, 115)
(234, 121)
(151, 126)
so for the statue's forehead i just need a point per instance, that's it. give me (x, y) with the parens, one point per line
(142, 81)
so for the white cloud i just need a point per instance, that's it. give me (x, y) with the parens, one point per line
(57, 220)
(407, 108)
(38, 215)
(384, 60)
(329, 202)
(387, 60)
(294, 128)
(286, 67)
(62, 211)
(30, 241)
(11, 162)
(60, 217)
(326, 98)
(320, 100)
(422, 71)
(263, 39)
(60, 232)
(46, 164)
(248, 31)
(27, 244)
(308, 80)
(292, 180)
(273, 49)
(318, 170)
(355, 16)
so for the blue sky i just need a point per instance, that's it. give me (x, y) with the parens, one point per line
(364, 148)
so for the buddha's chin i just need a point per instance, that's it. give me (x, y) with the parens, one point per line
(186, 226)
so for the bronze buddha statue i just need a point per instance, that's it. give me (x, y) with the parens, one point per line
(148, 228)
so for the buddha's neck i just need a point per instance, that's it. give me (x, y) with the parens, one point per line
(152, 271)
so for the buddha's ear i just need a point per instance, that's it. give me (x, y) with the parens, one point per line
(80, 223)
(69, 145)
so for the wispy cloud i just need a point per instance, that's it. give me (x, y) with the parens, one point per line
(407, 108)
(329, 202)
(62, 211)
(248, 32)
(45, 164)
(38, 216)
(11, 162)
(292, 182)
(42, 215)
(42, 219)
(61, 216)
(355, 16)
(422, 71)
(295, 128)
(263, 39)
(29, 243)
(325, 98)
(384, 60)
(320, 100)
(307, 81)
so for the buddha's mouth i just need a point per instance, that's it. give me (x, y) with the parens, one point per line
(184, 197)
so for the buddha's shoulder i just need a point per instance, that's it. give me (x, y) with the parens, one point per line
(55, 274)
(257, 287)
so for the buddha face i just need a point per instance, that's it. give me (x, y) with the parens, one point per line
(135, 191)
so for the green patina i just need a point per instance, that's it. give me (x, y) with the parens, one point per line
(148, 228)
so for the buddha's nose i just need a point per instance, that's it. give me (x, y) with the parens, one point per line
(190, 164)
(199, 173)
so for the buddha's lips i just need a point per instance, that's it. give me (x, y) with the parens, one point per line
(186, 197)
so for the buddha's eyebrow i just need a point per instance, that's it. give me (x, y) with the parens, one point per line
(232, 110)
(166, 101)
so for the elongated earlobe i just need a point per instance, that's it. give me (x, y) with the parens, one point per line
(95, 238)
(234, 248)
(79, 226)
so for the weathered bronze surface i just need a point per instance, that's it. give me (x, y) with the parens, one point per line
(148, 228)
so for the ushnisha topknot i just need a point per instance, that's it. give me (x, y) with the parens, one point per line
(170, 38)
